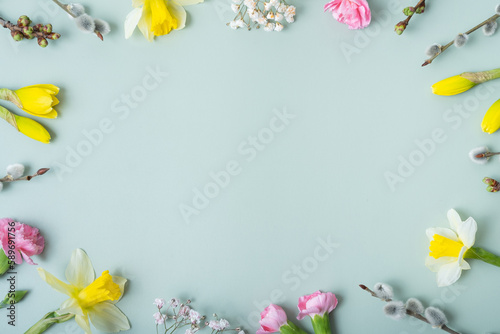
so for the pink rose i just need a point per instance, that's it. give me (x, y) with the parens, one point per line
(25, 241)
(355, 13)
(271, 319)
(318, 303)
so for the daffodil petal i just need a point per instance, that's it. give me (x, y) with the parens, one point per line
(189, 2)
(52, 89)
(491, 120)
(137, 3)
(52, 114)
(55, 101)
(449, 274)
(121, 283)
(71, 306)
(145, 22)
(55, 283)
(83, 322)
(445, 232)
(37, 100)
(106, 317)
(80, 271)
(131, 21)
(452, 86)
(436, 264)
(467, 232)
(178, 12)
(454, 219)
(32, 129)
(464, 265)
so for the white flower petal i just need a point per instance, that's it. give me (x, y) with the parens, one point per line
(445, 232)
(80, 272)
(145, 22)
(188, 2)
(454, 219)
(178, 12)
(83, 322)
(449, 274)
(132, 21)
(467, 232)
(106, 317)
(436, 264)
(121, 283)
(465, 265)
(71, 306)
(137, 3)
(55, 282)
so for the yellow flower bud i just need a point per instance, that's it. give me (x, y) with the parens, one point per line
(32, 129)
(452, 86)
(38, 100)
(491, 120)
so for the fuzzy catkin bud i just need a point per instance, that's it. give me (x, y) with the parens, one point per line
(102, 26)
(461, 40)
(414, 305)
(85, 23)
(497, 9)
(76, 9)
(395, 310)
(490, 28)
(433, 50)
(436, 317)
(383, 291)
(15, 170)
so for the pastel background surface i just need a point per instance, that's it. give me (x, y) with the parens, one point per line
(320, 180)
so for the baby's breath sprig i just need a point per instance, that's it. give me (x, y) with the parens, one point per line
(15, 172)
(257, 13)
(409, 12)
(413, 308)
(489, 28)
(83, 21)
(24, 30)
(173, 315)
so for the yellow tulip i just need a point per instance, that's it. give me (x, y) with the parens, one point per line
(26, 126)
(38, 100)
(491, 120)
(157, 17)
(89, 297)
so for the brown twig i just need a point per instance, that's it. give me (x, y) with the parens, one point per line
(65, 8)
(9, 178)
(485, 22)
(401, 26)
(410, 313)
(41, 32)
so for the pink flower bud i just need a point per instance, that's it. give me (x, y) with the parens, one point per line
(318, 303)
(271, 319)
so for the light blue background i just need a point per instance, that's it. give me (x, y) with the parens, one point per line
(321, 177)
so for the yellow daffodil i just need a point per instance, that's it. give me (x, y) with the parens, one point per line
(463, 82)
(157, 17)
(39, 100)
(491, 120)
(26, 126)
(90, 297)
(448, 248)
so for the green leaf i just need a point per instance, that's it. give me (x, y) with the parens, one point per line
(13, 298)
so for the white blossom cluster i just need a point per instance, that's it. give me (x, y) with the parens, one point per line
(270, 15)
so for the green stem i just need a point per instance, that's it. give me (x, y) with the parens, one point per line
(291, 328)
(483, 255)
(321, 324)
(4, 262)
(480, 77)
(47, 321)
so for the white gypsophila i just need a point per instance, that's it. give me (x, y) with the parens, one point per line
(235, 8)
(224, 324)
(270, 16)
(281, 8)
(289, 19)
(85, 23)
(433, 50)
(395, 310)
(436, 317)
(461, 40)
(414, 305)
(278, 27)
(275, 3)
(241, 23)
(490, 28)
(251, 4)
(268, 5)
(262, 20)
(269, 27)
(233, 25)
(290, 10)
(476, 151)
(278, 17)
(15, 170)
(102, 26)
(76, 9)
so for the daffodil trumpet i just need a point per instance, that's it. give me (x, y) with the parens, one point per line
(463, 82)
(26, 126)
(450, 247)
(36, 100)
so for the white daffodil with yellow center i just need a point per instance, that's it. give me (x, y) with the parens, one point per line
(448, 248)
(157, 17)
(89, 297)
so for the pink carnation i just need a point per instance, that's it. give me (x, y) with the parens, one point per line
(319, 303)
(355, 13)
(26, 240)
(272, 318)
